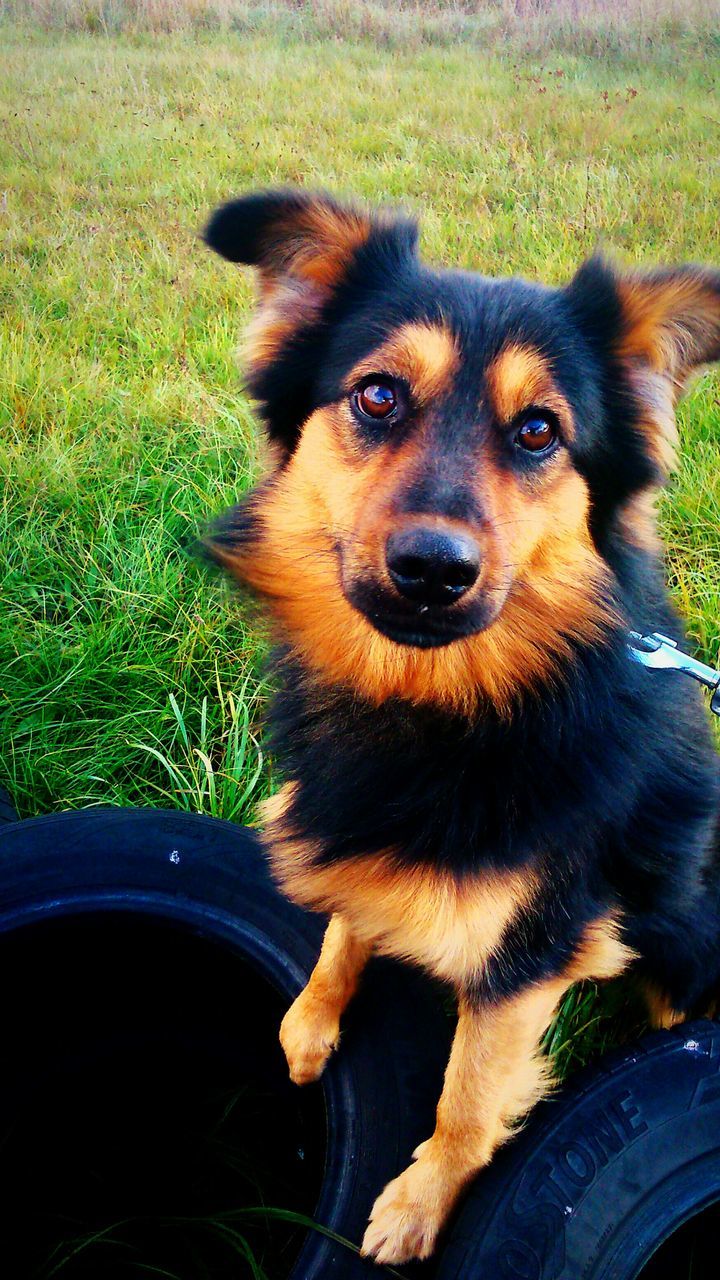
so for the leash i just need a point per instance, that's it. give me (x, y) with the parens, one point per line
(657, 651)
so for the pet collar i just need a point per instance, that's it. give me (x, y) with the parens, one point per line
(658, 651)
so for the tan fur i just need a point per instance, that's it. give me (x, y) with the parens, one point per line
(425, 355)
(325, 519)
(657, 420)
(671, 321)
(314, 243)
(670, 325)
(602, 952)
(495, 1074)
(638, 517)
(661, 1013)
(519, 378)
(638, 521)
(310, 1030)
(287, 307)
(449, 927)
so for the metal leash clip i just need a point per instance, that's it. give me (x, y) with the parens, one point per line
(655, 650)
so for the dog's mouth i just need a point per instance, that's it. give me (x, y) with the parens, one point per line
(427, 636)
(423, 626)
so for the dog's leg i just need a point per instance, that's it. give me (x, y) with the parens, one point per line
(494, 1076)
(310, 1029)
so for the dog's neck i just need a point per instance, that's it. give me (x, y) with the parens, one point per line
(450, 787)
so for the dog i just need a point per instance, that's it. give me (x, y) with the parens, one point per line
(454, 536)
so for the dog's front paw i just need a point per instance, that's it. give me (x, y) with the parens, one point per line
(407, 1217)
(308, 1034)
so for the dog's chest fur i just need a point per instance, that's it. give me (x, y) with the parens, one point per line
(483, 851)
(456, 846)
(457, 794)
(453, 927)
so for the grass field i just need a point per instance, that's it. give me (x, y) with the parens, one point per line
(128, 673)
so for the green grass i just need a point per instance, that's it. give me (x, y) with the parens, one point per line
(128, 673)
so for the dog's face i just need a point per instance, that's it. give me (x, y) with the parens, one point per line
(455, 456)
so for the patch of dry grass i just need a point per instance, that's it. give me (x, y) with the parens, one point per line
(594, 27)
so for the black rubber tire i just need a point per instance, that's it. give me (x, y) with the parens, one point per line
(7, 813)
(605, 1173)
(380, 1091)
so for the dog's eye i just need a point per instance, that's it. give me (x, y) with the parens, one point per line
(377, 399)
(537, 432)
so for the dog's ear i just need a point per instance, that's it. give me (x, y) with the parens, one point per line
(294, 235)
(308, 248)
(660, 326)
(671, 320)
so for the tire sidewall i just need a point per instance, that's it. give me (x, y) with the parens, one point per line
(605, 1173)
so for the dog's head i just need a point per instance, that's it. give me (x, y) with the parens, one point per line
(456, 458)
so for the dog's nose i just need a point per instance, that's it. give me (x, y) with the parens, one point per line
(432, 566)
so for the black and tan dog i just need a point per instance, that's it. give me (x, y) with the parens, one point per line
(456, 532)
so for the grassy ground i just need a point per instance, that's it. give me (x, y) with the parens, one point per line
(619, 28)
(128, 675)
